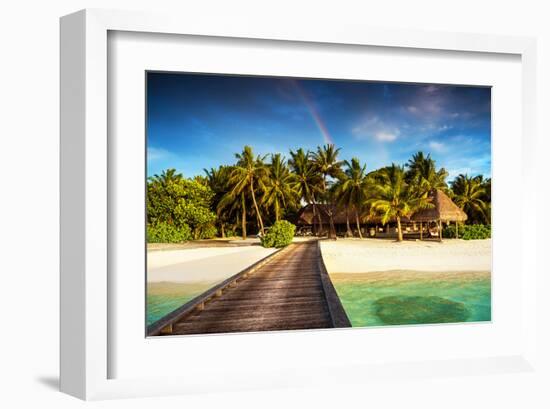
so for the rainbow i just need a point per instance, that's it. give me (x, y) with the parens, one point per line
(313, 112)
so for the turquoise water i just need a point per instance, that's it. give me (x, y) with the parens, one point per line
(165, 297)
(412, 297)
(373, 299)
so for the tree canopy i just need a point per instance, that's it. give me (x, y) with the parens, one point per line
(256, 191)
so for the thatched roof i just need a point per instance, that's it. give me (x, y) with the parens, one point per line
(444, 209)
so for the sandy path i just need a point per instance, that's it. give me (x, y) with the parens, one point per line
(369, 255)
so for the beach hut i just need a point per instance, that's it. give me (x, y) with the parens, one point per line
(308, 217)
(443, 211)
(308, 222)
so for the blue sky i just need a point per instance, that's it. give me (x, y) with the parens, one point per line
(197, 121)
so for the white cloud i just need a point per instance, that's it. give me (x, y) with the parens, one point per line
(437, 146)
(157, 153)
(374, 128)
(385, 136)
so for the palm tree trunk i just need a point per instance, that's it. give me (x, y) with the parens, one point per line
(399, 231)
(222, 228)
(243, 217)
(258, 215)
(276, 210)
(358, 224)
(313, 220)
(332, 234)
(320, 221)
(348, 232)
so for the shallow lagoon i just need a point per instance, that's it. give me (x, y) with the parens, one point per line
(164, 297)
(414, 297)
(373, 299)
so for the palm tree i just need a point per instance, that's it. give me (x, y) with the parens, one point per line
(327, 164)
(280, 189)
(423, 175)
(470, 194)
(167, 176)
(487, 198)
(218, 181)
(394, 198)
(249, 174)
(307, 181)
(351, 191)
(234, 205)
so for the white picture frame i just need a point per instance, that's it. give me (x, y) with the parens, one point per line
(85, 223)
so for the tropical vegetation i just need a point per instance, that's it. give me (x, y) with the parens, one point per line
(279, 235)
(469, 232)
(259, 194)
(176, 204)
(393, 198)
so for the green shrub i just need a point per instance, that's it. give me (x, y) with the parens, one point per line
(167, 233)
(477, 232)
(207, 232)
(279, 235)
(230, 233)
(449, 232)
(468, 232)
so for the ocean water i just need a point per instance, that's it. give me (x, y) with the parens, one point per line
(414, 297)
(165, 297)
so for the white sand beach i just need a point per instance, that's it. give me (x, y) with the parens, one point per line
(374, 255)
(201, 264)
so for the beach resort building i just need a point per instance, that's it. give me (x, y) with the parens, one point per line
(424, 224)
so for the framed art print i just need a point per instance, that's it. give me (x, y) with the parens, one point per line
(307, 193)
(241, 166)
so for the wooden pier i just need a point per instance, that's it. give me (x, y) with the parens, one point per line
(287, 290)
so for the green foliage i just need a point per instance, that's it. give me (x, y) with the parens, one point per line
(230, 233)
(423, 174)
(249, 193)
(181, 203)
(351, 190)
(200, 218)
(248, 177)
(468, 232)
(279, 235)
(399, 310)
(393, 197)
(449, 232)
(477, 232)
(473, 195)
(168, 233)
(280, 189)
(209, 231)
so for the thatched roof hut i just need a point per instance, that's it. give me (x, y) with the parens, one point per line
(443, 210)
